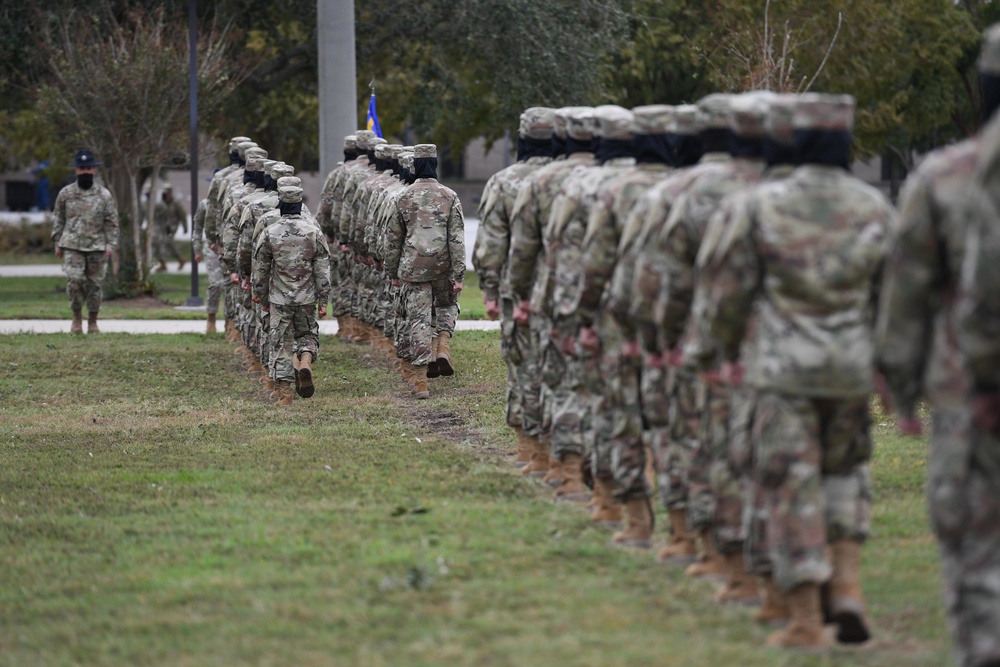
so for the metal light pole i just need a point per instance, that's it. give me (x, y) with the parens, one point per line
(338, 97)
(194, 299)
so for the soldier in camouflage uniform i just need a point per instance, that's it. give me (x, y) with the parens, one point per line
(213, 266)
(425, 249)
(291, 278)
(490, 261)
(85, 233)
(937, 338)
(168, 215)
(528, 268)
(323, 217)
(618, 460)
(805, 256)
(396, 316)
(575, 368)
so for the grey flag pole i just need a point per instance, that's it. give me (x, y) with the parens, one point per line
(338, 95)
(194, 299)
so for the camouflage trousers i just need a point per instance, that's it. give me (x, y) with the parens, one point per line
(340, 278)
(164, 248)
(811, 462)
(536, 393)
(229, 296)
(963, 494)
(216, 280)
(261, 326)
(674, 444)
(755, 518)
(84, 278)
(513, 340)
(430, 308)
(293, 329)
(562, 374)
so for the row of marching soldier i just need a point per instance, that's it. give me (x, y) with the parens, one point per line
(698, 301)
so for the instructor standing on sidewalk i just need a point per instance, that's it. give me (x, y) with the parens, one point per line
(85, 234)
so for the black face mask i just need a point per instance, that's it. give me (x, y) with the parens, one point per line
(520, 149)
(609, 149)
(258, 178)
(832, 149)
(290, 208)
(558, 145)
(381, 165)
(247, 177)
(234, 157)
(425, 167)
(580, 145)
(686, 149)
(777, 153)
(989, 88)
(371, 156)
(408, 176)
(745, 147)
(652, 149)
(715, 140)
(350, 155)
(396, 169)
(85, 181)
(529, 148)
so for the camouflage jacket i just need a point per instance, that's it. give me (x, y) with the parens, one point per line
(325, 210)
(386, 211)
(291, 263)
(425, 238)
(343, 211)
(604, 231)
(229, 224)
(168, 217)
(85, 220)
(804, 256)
(489, 256)
(236, 226)
(526, 261)
(361, 228)
(579, 195)
(375, 232)
(198, 226)
(681, 238)
(248, 224)
(916, 335)
(213, 206)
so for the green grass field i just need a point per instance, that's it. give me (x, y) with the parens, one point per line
(45, 298)
(154, 511)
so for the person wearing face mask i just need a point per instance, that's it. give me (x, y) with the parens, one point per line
(85, 234)
(168, 215)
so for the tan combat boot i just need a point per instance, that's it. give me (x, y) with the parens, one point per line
(304, 375)
(607, 510)
(180, 265)
(77, 326)
(681, 549)
(523, 448)
(284, 389)
(638, 532)
(406, 371)
(268, 384)
(162, 267)
(774, 611)
(711, 565)
(444, 354)
(554, 476)
(539, 463)
(210, 324)
(231, 335)
(740, 587)
(255, 365)
(805, 629)
(572, 488)
(390, 349)
(432, 368)
(363, 333)
(846, 601)
(420, 389)
(92, 322)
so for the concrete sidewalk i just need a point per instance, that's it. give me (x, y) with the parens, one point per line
(326, 327)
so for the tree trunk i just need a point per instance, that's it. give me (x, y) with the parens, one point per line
(150, 206)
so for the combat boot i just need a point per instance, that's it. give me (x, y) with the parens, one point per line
(805, 628)
(572, 488)
(92, 322)
(231, 334)
(180, 265)
(554, 476)
(304, 376)
(406, 372)
(162, 267)
(269, 385)
(284, 389)
(846, 600)
(774, 611)
(711, 565)
(444, 354)
(432, 368)
(210, 324)
(362, 334)
(539, 463)
(740, 587)
(638, 532)
(523, 448)
(390, 349)
(607, 510)
(255, 365)
(420, 389)
(77, 326)
(681, 548)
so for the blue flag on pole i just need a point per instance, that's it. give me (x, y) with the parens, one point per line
(373, 124)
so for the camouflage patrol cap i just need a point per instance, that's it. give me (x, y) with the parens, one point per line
(376, 141)
(244, 146)
(267, 164)
(350, 142)
(687, 120)
(653, 119)
(255, 158)
(562, 120)
(236, 141)
(826, 113)
(747, 113)
(713, 111)
(614, 122)
(406, 159)
(989, 52)
(581, 123)
(289, 194)
(282, 170)
(537, 123)
(424, 151)
(395, 150)
(780, 122)
(290, 181)
(382, 151)
(361, 138)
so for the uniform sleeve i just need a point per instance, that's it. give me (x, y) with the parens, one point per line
(326, 205)
(260, 278)
(492, 239)
(525, 243)
(395, 229)
(198, 227)
(456, 242)
(908, 297)
(110, 223)
(598, 261)
(321, 271)
(677, 287)
(59, 224)
(979, 305)
(244, 245)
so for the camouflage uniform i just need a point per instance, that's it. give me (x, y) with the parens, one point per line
(167, 217)
(291, 276)
(375, 241)
(425, 248)
(617, 419)
(213, 266)
(323, 217)
(343, 215)
(395, 319)
(937, 338)
(85, 227)
(804, 255)
(492, 249)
